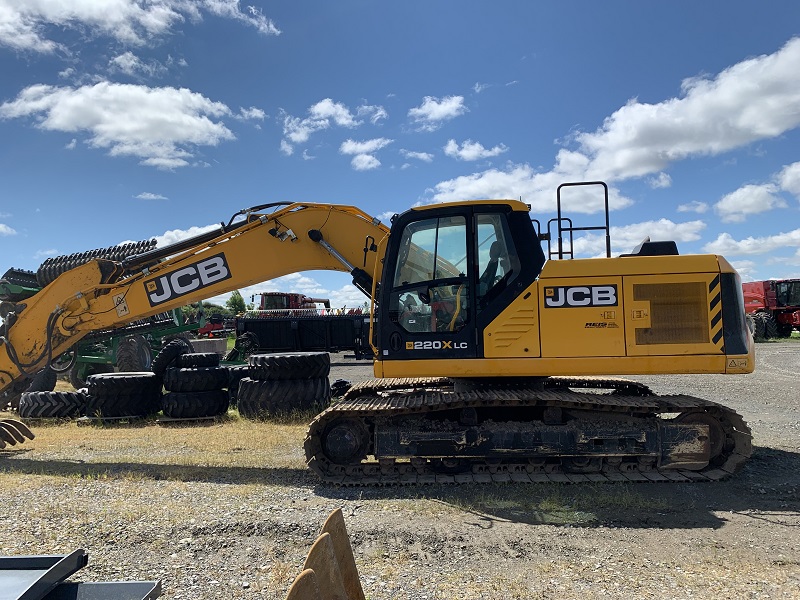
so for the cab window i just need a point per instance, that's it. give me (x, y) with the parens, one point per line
(498, 262)
(430, 287)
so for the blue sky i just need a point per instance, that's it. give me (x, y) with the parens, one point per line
(130, 119)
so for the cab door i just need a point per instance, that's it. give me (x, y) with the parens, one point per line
(427, 311)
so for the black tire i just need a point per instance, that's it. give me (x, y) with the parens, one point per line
(133, 355)
(198, 359)
(122, 383)
(235, 375)
(758, 327)
(785, 330)
(192, 405)
(195, 379)
(47, 405)
(79, 381)
(169, 354)
(290, 365)
(770, 327)
(123, 394)
(43, 381)
(260, 399)
(185, 337)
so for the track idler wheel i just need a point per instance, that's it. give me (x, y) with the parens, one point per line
(346, 441)
(582, 464)
(719, 442)
(450, 466)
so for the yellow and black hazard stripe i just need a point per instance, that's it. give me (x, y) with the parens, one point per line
(715, 313)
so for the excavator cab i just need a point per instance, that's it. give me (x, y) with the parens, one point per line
(451, 270)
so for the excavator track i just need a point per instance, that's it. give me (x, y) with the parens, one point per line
(435, 430)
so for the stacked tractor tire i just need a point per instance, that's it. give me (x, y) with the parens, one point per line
(106, 395)
(194, 385)
(279, 384)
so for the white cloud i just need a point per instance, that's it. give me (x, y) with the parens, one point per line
(430, 115)
(758, 98)
(789, 179)
(537, 189)
(251, 114)
(71, 145)
(626, 238)
(373, 113)
(131, 65)
(26, 26)
(254, 16)
(150, 196)
(694, 206)
(366, 147)
(322, 115)
(336, 111)
(365, 162)
(6, 230)
(755, 99)
(162, 127)
(363, 151)
(40, 254)
(726, 245)
(176, 235)
(662, 180)
(423, 156)
(746, 268)
(479, 87)
(748, 200)
(470, 150)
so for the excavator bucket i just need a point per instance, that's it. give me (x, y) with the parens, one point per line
(330, 571)
(13, 432)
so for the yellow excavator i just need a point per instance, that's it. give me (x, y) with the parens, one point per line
(496, 356)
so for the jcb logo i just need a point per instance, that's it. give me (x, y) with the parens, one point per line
(580, 295)
(187, 279)
(436, 345)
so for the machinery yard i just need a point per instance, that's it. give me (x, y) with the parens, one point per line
(229, 509)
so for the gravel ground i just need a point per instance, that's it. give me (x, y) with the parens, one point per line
(223, 533)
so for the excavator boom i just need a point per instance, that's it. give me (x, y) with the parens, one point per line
(96, 296)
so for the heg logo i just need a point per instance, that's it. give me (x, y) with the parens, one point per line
(436, 345)
(187, 279)
(580, 296)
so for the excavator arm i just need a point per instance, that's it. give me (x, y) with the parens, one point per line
(103, 294)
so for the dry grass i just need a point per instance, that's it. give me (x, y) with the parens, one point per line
(148, 449)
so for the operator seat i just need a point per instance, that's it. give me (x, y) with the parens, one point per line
(490, 272)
